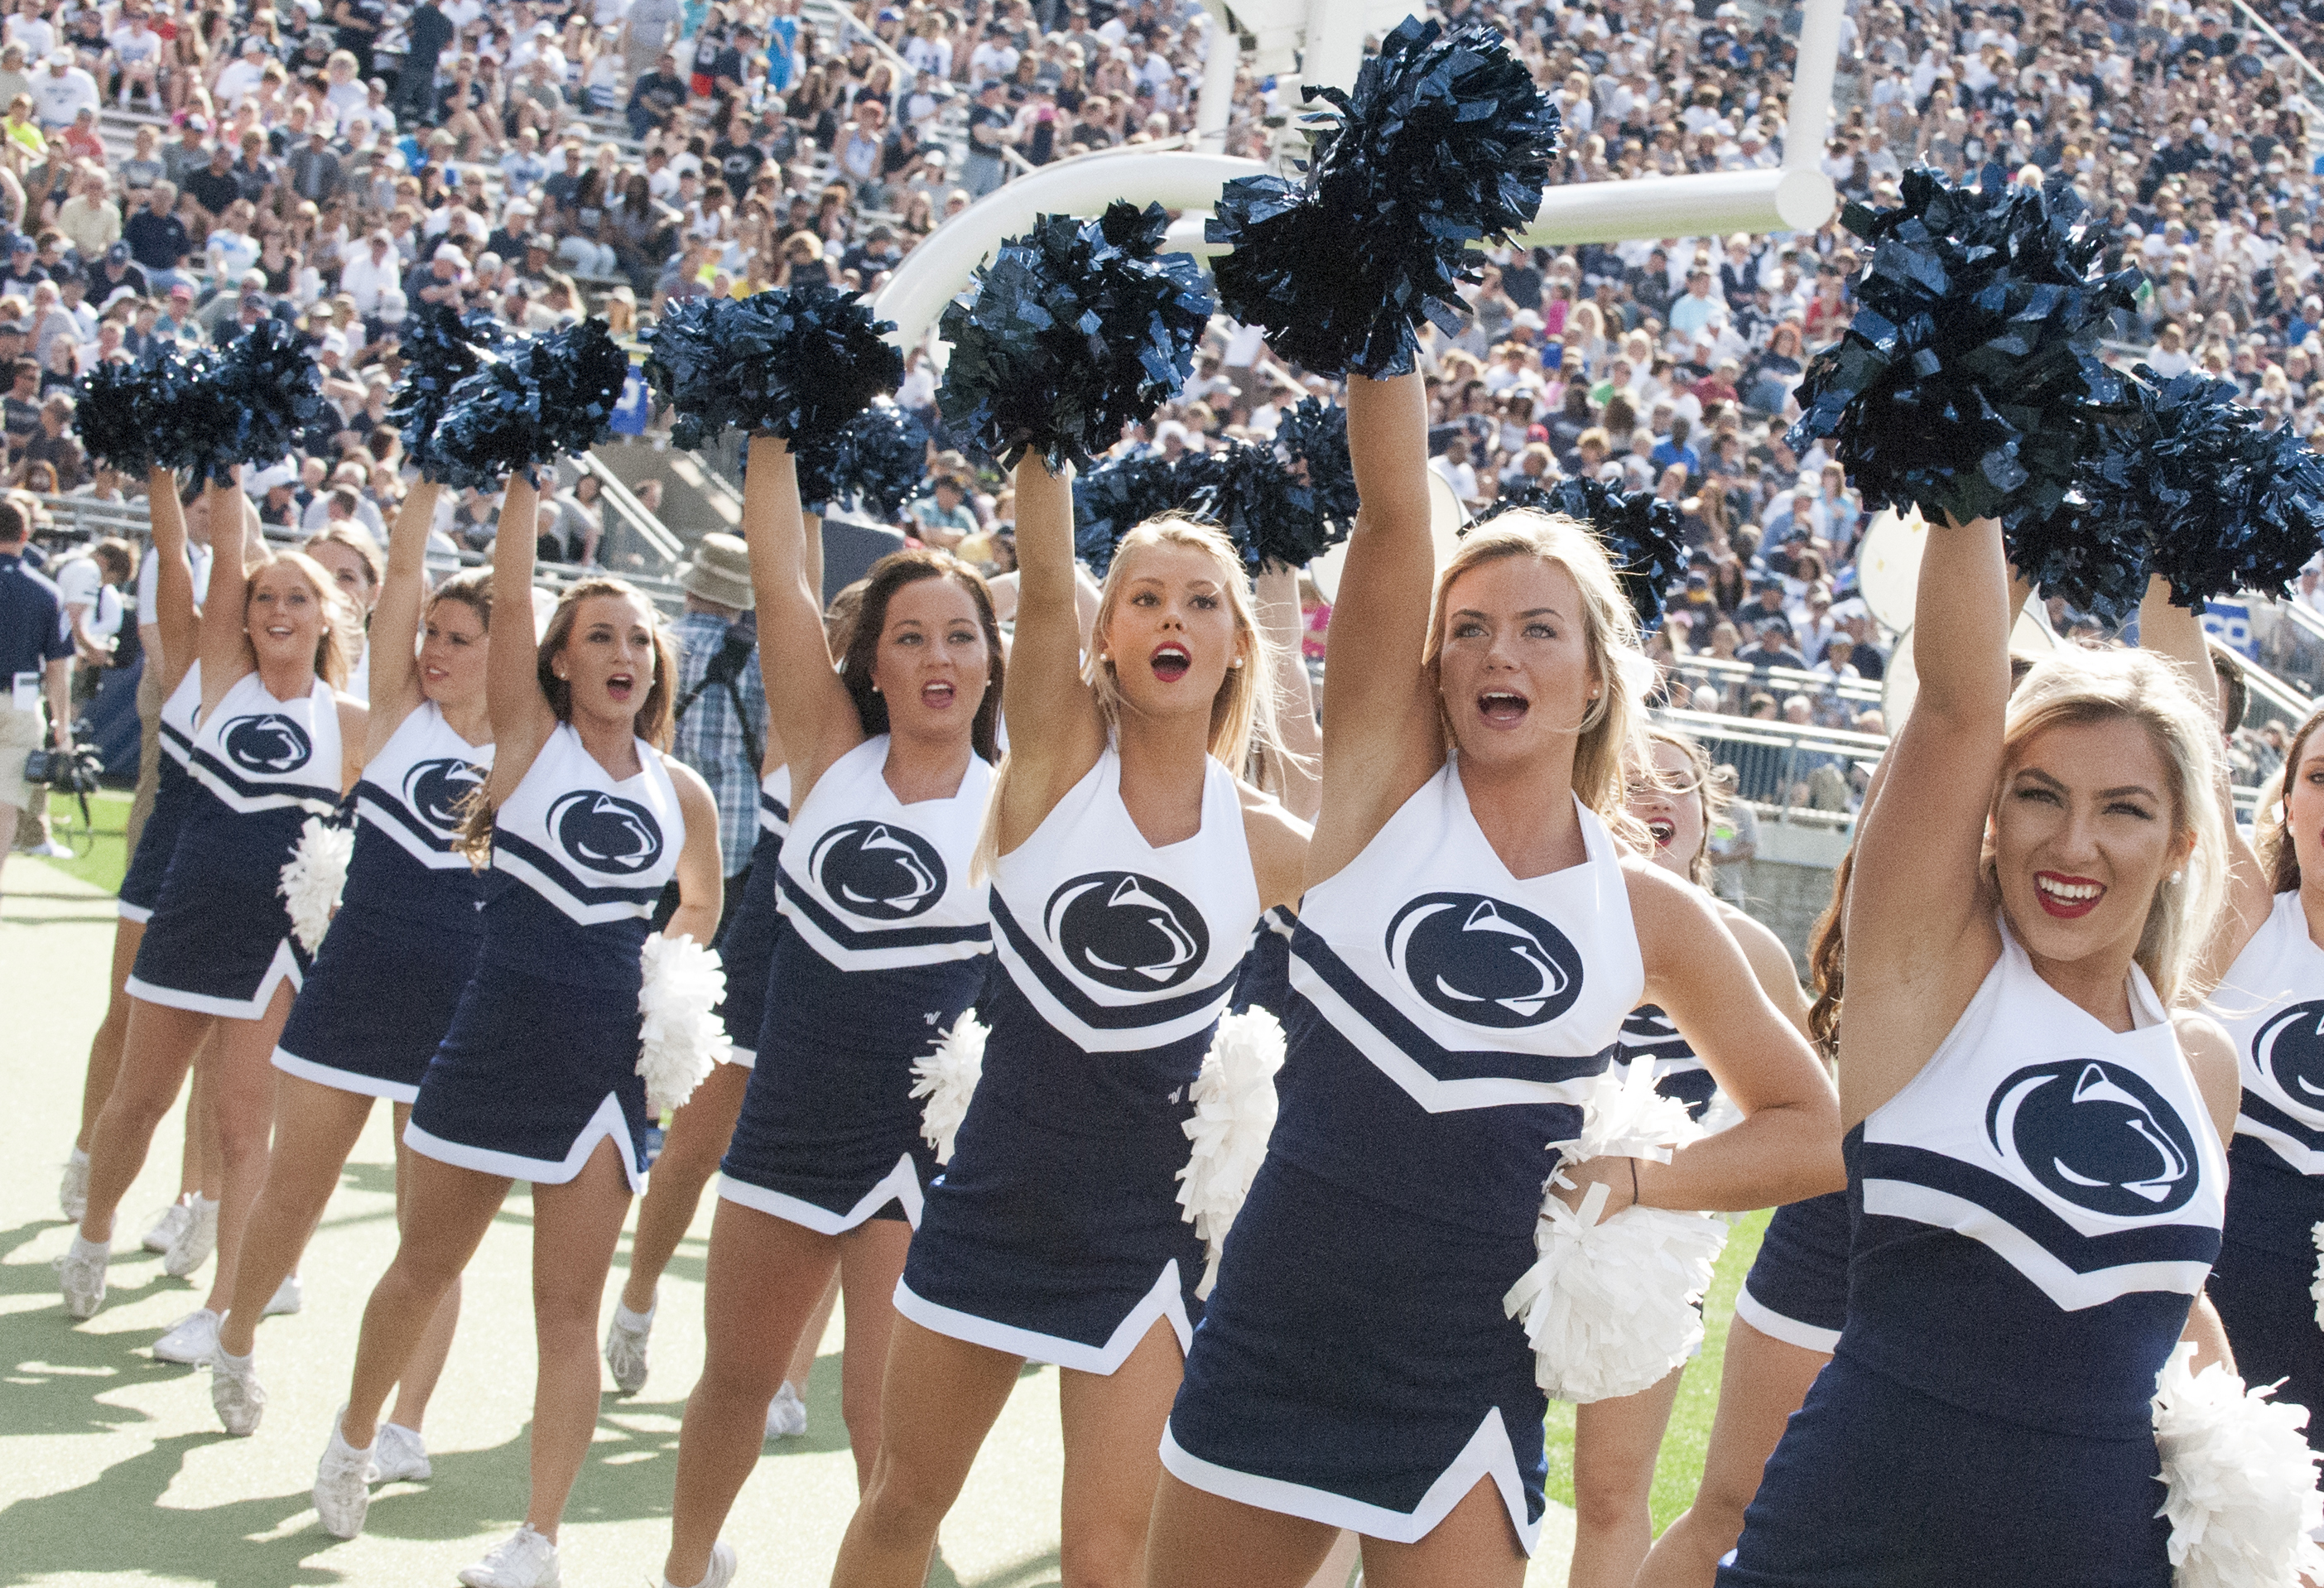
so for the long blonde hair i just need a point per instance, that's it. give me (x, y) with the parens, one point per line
(336, 646)
(1607, 735)
(2080, 686)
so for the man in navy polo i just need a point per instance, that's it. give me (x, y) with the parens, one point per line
(36, 652)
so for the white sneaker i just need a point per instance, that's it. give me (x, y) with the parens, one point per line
(191, 1341)
(722, 1568)
(527, 1560)
(81, 1275)
(289, 1297)
(195, 1242)
(625, 1347)
(235, 1393)
(785, 1414)
(167, 1224)
(398, 1456)
(72, 1192)
(342, 1484)
(49, 849)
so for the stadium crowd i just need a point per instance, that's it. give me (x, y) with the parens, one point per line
(179, 168)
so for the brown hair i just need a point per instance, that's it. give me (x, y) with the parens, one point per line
(890, 574)
(2277, 857)
(1828, 961)
(1710, 787)
(355, 538)
(472, 588)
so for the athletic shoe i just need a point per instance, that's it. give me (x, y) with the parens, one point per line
(235, 1393)
(527, 1560)
(342, 1484)
(722, 1568)
(191, 1341)
(167, 1224)
(625, 1347)
(81, 1275)
(195, 1242)
(399, 1456)
(72, 1194)
(49, 849)
(289, 1297)
(785, 1414)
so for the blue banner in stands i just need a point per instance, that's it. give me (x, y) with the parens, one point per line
(635, 408)
(2230, 622)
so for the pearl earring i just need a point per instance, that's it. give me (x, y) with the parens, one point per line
(1236, 662)
(2176, 875)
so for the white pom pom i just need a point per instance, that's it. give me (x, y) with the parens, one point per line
(2316, 1287)
(314, 877)
(947, 1078)
(2240, 1481)
(1610, 1308)
(680, 1040)
(1234, 1115)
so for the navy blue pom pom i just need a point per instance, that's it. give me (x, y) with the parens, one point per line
(1118, 495)
(796, 361)
(440, 348)
(271, 382)
(1969, 383)
(125, 411)
(546, 395)
(2218, 501)
(1446, 140)
(1641, 533)
(1074, 331)
(1313, 438)
(878, 458)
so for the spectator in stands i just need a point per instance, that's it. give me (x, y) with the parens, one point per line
(61, 89)
(720, 706)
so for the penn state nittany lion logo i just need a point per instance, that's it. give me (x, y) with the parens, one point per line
(1128, 932)
(435, 790)
(2097, 1135)
(605, 832)
(879, 871)
(1484, 962)
(269, 743)
(2291, 1049)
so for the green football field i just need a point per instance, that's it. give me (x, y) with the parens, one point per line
(113, 1469)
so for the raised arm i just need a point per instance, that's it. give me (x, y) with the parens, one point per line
(1920, 929)
(1298, 773)
(223, 646)
(1381, 738)
(522, 718)
(807, 705)
(395, 618)
(174, 619)
(1061, 732)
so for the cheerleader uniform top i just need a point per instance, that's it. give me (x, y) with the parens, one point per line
(1056, 1231)
(748, 944)
(409, 809)
(580, 859)
(173, 790)
(1450, 1018)
(869, 884)
(2035, 1211)
(275, 762)
(1647, 1033)
(2278, 1151)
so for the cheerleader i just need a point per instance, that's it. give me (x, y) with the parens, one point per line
(1616, 1440)
(699, 1132)
(353, 557)
(537, 1080)
(1129, 868)
(389, 972)
(885, 945)
(1468, 944)
(276, 743)
(2035, 1162)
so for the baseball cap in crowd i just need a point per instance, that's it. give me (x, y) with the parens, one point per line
(335, 342)
(117, 255)
(254, 299)
(516, 207)
(446, 254)
(253, 45)
(195, 124)
(60, 57)
(180, 290)
(20, 244)
(282, 474)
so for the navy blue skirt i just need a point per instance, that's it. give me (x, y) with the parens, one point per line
(219, 939)
(532, 1075)
(2260, 1283)
(377, 1002)
(747, 949)
(140, 885)
(1797, 1290)
(1354, 1366)
(829, 1135)
(1056, 1232)
(1875, 1482)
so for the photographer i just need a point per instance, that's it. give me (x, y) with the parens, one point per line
(89, 584)
(36, 652)
(722, 702)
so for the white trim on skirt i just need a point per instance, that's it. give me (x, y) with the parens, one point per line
(608, 1123)
(339, 1080)
(135, 914)
(1776, 1326)
(284, 967)
(1487, 1453)
(1166, 1300)
(900, 1184)
(742, 1059)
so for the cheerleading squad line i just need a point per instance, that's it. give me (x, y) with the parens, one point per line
(1056, 1229)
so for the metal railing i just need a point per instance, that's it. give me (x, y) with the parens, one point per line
(1794, 771)
(1737, 681)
